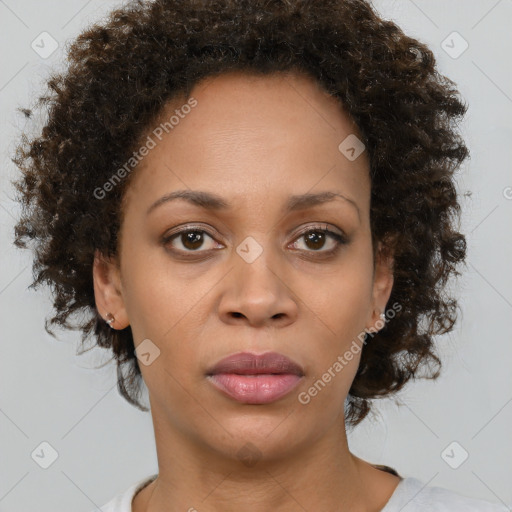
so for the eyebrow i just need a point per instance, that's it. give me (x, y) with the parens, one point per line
(210, 201)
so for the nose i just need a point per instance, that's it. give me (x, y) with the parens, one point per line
(258, 294)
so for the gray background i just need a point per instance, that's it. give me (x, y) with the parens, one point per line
(48, 393)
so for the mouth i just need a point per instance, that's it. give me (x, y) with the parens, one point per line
(255, 379)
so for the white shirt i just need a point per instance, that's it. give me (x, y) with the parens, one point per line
(410, 495)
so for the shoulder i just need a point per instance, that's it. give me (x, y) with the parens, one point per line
(413, 495)
(122, 502)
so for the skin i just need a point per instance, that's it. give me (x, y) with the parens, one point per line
(254, 141)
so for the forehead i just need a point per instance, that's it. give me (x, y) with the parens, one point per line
(251, 134)
(268, 100)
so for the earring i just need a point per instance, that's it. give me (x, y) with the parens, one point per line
(110, 319)
(382, 316)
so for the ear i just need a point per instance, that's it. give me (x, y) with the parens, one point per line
(382, 285)
(108, 290)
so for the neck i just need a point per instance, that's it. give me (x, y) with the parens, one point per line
(320, 475)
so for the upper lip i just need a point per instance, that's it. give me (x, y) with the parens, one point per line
(247, 363)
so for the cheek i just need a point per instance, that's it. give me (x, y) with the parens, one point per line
(167, 305)
(347, 306)
(343, 299)
(339, 305)
(149, 294)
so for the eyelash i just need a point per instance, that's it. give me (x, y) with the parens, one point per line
(337, 237)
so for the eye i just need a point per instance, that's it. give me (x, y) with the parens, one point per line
(190, 239)
(195, 239)
(315, 239)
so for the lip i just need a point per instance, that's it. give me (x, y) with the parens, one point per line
(255, 378)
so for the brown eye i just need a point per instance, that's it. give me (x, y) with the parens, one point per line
(190, 240)
(317, 238)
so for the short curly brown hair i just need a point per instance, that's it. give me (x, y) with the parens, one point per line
(121, 74)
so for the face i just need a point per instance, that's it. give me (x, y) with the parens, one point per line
(256, 267)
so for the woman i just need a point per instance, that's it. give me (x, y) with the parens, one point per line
(255, 204)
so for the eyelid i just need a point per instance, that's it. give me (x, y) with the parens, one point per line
(321, 226)
(187, 227)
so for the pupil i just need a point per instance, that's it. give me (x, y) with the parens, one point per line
(193, 239)
(315, 237)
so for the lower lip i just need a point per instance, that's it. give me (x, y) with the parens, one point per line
(255, 389)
